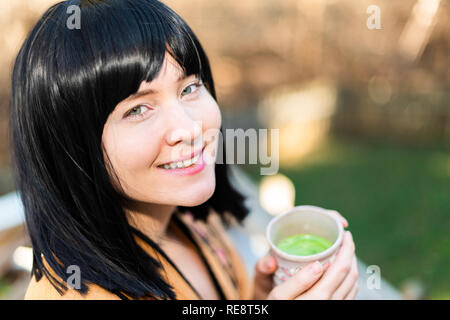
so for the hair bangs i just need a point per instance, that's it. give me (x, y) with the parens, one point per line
(126, 42)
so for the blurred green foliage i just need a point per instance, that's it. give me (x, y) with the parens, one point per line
(396, 199)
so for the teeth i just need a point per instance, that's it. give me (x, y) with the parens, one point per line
(187, 163)
(182, 164)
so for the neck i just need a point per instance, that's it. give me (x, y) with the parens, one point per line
(151, 219)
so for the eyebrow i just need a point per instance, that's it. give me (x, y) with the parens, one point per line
(152, 91)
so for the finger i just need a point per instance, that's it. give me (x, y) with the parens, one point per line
(264, 269)
(339, 269)
(310, 295)
(340, 217)
(266, 265)
(353, 292)
(301, 281)
(348, 283)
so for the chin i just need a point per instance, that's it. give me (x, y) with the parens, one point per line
(197, 195)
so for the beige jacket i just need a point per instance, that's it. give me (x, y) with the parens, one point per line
(215, 245)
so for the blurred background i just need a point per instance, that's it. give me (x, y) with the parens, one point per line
(363, 116)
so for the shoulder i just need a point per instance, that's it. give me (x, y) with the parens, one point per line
(44, 290)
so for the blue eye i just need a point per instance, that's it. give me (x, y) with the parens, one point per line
(135, 111)
(191, 88)
(138, 112)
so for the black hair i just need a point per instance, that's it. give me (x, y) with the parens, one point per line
(65, 83)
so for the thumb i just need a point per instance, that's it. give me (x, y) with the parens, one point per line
(263, 278)
(266, 266)
(301, 281)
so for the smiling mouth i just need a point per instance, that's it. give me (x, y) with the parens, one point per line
(183, 164)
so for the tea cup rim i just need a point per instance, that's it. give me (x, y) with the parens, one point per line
(318, 256)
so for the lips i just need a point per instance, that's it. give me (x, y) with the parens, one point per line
(184, 161)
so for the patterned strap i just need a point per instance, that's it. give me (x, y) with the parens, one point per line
(154, 245)
(188, 233)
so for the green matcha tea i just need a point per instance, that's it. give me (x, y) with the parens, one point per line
(303, 244)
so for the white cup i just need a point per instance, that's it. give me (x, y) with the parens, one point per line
(306, 220)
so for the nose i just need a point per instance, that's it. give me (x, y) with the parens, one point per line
(182, 128)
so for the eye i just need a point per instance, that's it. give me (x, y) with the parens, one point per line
(191, 88)
(137, 112)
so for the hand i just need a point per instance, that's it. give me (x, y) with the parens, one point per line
(315, 281)
(337, 281)
(263, 281)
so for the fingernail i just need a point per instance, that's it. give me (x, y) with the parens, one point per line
(316, 267)
(268, 263)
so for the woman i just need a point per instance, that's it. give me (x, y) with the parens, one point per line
(115, 130)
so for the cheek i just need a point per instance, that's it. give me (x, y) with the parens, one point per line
(131, 151)
(211, 118)
(210, 115)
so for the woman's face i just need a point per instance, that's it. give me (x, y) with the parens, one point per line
(152, 133)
